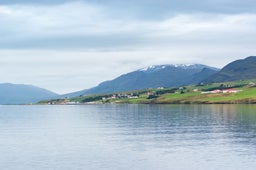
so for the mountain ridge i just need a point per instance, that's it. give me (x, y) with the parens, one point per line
(241, 69)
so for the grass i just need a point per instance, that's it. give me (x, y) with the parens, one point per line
(247, 95)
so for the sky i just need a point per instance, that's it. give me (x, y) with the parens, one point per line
(69, 45)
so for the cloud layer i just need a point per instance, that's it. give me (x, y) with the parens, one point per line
(82, 26)
(71, 45)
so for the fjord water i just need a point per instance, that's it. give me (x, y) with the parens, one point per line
(128, 137)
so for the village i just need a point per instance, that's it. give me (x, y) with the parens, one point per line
(121, 96)
(221, 91)
(229, 90)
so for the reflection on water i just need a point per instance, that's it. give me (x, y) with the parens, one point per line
(128, 137)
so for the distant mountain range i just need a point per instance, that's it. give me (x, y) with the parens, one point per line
(23, 94)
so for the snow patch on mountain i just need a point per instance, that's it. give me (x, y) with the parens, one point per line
(153, 68)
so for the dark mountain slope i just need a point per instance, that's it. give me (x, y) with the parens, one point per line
(238, 70)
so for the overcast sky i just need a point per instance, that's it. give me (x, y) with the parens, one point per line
(69, 45)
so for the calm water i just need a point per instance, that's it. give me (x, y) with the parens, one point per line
(128, 137)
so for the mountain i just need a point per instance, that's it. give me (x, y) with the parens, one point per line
(153, 77)
(23, 94)
(237, 70)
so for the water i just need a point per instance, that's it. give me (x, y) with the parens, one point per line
(128, 137)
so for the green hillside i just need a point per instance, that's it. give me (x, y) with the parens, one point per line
(229, 92)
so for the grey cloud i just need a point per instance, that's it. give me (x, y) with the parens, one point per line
(156, 8)
(27, 28)
(113, 42)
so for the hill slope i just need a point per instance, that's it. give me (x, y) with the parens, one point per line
(238, 70)
(155, 76)
(22, 94)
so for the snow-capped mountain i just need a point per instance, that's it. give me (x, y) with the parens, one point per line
(155, 76)
(153, 68)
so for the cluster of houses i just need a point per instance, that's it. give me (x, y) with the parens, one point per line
(221, 91)
(251, 84)
(121, 96)
(62, 102)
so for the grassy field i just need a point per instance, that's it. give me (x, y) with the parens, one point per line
(246, 95)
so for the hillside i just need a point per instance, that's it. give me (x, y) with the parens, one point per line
(238, 92)
(23, 94)
(238, 70)
(153, 77)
